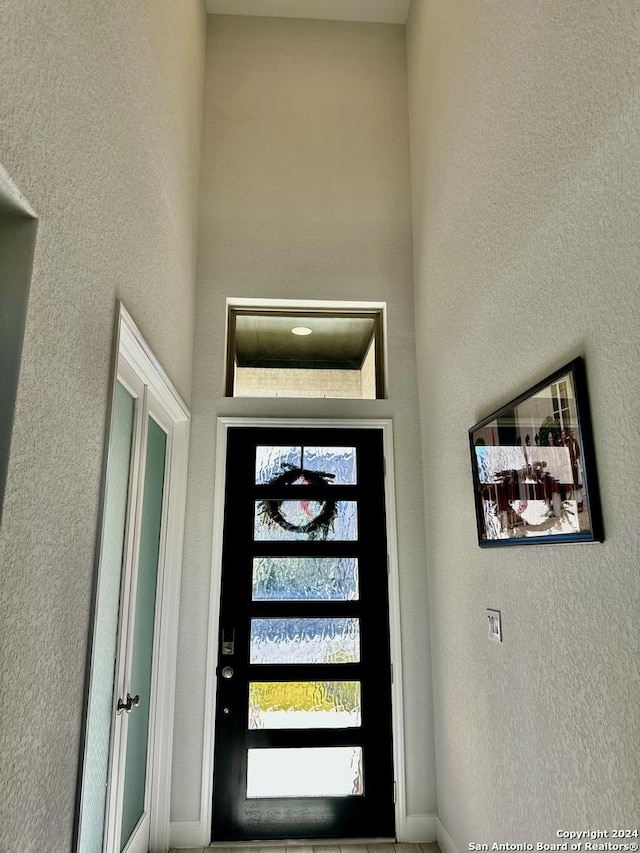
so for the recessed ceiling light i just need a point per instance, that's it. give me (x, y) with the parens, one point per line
(301, 330)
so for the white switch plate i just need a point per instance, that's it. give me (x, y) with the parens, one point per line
(495, 625)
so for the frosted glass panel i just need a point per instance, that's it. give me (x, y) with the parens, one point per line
(338, 463)
(271, 461)
(305, 640)
(332, 771)
(304, 705)
(138, 730)
(305, 579)
(284, 520)
(100, 711)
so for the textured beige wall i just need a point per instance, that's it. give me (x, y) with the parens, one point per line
(305, 195)
(100, 111)
(524, 139)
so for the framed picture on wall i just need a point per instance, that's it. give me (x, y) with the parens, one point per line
(534, 469)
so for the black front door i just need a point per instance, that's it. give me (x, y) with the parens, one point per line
(303, 720)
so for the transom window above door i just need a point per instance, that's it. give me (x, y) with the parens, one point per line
(328, 350)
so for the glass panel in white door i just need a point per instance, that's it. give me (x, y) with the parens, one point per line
(135, 776)
(100, 708)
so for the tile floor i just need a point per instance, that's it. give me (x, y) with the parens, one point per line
(328, 847)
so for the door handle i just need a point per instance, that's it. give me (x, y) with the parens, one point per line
(131, 703)
(227, 672)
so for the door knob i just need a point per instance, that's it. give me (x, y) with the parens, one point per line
(227, 672)
(131, 703)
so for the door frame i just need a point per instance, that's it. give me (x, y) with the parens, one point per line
(133, 356)
(223, 425)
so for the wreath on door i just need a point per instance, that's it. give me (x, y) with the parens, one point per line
(318, 525)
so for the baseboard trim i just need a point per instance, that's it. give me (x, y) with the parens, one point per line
(187, 833)
(445, 841)
(417, 828)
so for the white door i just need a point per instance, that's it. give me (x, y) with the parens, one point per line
(128, 808)
(124, 789)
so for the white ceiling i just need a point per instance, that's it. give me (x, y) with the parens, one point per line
(265, 340)
(379, 11)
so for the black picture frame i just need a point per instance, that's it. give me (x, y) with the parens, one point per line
(534, 469)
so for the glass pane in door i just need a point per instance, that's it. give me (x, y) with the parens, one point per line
(305, 579)
(333, 640)
(331, 464)
(338, 464)
(138, 728)
(304, 705)
(272, 461)
(329, 771)
(287, 520)
(100, 709)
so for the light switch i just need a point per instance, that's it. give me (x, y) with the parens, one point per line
(495, 625)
